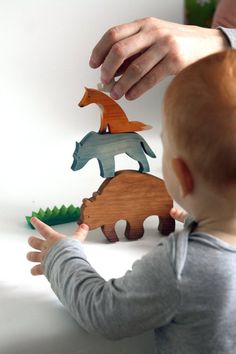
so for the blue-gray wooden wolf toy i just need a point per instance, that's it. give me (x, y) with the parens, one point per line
(104, 147)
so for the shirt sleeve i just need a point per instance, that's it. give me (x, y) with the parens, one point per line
(230, 33)
(146, 297)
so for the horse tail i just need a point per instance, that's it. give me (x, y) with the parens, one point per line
(147, 148)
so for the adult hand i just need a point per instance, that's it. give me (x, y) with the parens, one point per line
(50, 237)
(225, 14)
(145, 51)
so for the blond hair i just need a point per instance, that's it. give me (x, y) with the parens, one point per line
(200, 114)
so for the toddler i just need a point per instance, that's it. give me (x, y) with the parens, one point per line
(185, 288)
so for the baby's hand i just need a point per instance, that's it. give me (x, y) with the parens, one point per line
(50, 238)
(178, 214)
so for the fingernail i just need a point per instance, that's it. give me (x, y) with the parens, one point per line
(130, 96)
(84, 226)
(33, 219)
(104, 79)
(92, 63)
(116, 93)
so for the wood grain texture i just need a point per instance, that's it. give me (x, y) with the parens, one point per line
(113, 118)
(130, 196)
(104, 147)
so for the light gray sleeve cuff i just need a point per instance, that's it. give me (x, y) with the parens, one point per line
(230, 33)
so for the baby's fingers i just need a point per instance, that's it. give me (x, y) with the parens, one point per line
(178, 214)
(37, 270)
(34, 257)
(43, 228)
(36, 242)
(81, 232)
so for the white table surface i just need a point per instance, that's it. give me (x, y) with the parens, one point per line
(32, 318)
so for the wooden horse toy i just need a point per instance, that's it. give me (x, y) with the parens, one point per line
(104, 147)
(130, 196)
(113, 118)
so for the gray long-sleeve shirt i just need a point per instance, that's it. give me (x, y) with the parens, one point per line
(184, 289)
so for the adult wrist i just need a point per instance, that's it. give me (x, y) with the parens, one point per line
(223, 41)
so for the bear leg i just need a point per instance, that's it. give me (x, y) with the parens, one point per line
(109, 232)
(134, 230)
(166, 225)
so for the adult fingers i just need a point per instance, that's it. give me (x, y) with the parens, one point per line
(127, 63)
(158, 73)
(138, 69)
(34, 257)
(81, 232)
(42, 228)
(37, 270)
(35, 242)
(122, 50)
(112, 36)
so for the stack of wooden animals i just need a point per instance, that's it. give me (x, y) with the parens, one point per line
(124, 195)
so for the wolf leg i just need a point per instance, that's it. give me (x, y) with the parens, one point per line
(140, 158)
(107, 166)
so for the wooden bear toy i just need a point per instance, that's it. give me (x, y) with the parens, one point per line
(105, 146)
(130, 196)
(113, 118)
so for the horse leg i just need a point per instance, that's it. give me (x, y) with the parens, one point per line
(103, 124)
(134, 229)
(109, 232)
(166, 225)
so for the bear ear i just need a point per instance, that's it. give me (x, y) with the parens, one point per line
(86, 201)
(96, 195)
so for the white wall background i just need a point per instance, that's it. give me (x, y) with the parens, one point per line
(45, 46)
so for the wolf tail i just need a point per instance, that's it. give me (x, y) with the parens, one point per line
(147, 148)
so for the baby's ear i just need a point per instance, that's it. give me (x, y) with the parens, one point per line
(184, 176)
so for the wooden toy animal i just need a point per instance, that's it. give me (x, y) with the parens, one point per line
(130, 196)
(105, 146)
(113, 117)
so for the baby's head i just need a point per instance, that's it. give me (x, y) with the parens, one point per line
(200, 120)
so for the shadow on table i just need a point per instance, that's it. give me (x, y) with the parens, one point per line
(34, 323)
